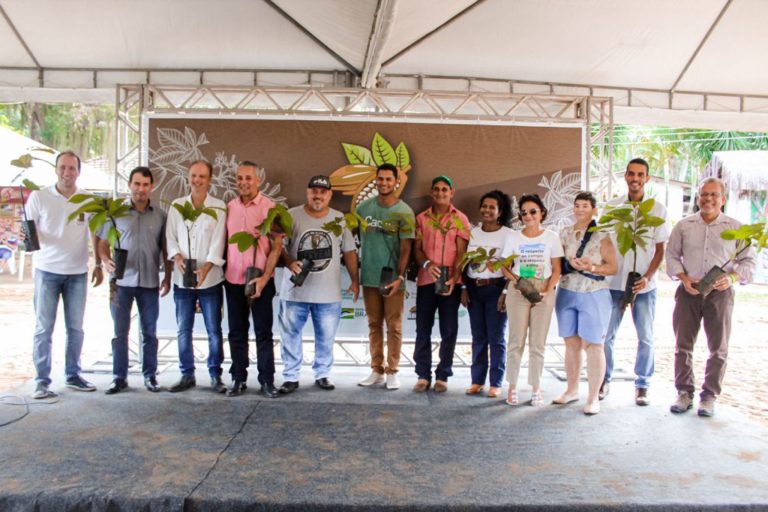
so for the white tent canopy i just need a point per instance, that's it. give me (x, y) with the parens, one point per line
(684, 63)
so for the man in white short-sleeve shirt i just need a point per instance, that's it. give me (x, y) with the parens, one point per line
(61, 270)
(644, 306)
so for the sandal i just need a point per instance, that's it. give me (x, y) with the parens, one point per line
(566, 399)
(512, 397)
(494, 392)
(537, 400)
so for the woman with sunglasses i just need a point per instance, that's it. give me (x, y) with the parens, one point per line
(481, 293)
(583, 303)
(539, 252)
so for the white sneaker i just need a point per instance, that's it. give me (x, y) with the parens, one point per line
(373, 379)
(392, 381)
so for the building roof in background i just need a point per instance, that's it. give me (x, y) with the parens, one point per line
(740, 170)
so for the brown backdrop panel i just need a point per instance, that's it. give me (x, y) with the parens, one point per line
(479, 158)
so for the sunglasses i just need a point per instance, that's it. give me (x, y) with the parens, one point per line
(532, 211)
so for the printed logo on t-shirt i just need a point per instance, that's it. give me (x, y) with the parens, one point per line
(531, 260)
(317, 247)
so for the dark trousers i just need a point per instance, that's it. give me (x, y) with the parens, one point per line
(238, 310)
(488, 326)
(147, 302)
(715, 311)
(447, 307)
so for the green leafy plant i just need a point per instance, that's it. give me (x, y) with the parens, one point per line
(444, 224)
(24, 162)
(480, 258)
(632, 223)
(350, 221)
(102, 210)
(745, 236)
(190, 214)
(278, 219)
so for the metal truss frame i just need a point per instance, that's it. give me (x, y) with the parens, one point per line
(595, 114)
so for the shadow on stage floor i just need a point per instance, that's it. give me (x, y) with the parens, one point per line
(372, 449)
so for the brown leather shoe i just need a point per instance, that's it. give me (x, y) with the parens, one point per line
(474, 389)
(421, 386)
(441, 386)
(494, 392)
(641, 396)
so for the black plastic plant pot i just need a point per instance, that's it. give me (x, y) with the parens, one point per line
(441, 288)
(528, 289)
(306, 266)
(190, 277)
(31, 241)
(251, 273)
(707, 283)
(629, 295)
(120, 257)
(387, 276)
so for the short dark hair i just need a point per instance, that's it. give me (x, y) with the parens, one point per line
(640, 161)
(247, 163)
(387, 167)
(532, 198)
(144, 171)
(205, 163)
(68, 153)
(585, 195)
(505, 205)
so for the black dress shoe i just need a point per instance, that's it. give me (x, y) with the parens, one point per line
(270, 391)
(325, 384)
(186, 382)
(151, 384)
(238, 387)
(289, 387)
(117, 386)
(218, 385)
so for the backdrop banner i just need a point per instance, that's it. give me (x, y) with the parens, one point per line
(478, 158)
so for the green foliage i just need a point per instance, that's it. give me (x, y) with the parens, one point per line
(189, 213)
(26, 161)
(102, 210)
(480, 258)
(439, 224)
(278, 219)
(350, 221)
(632, 223)
(398, 224)
(747, 235)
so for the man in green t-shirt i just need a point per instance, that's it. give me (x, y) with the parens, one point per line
(386, 250)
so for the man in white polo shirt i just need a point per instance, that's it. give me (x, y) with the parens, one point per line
(61, 270)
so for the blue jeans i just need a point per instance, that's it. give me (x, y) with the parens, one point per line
(211, 301)
(147, 302)
(642, 314)
(488, 326)
(325, 321)
(48, 288)
(447, 307)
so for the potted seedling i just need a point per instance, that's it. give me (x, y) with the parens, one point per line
(277, 219)
(349, 221)
(745, 236)
(632, 223)
(526, 287)
(190, 214)
(443, 226)
(28, 227)
(392, 227)
(481, 258)
(103, 210)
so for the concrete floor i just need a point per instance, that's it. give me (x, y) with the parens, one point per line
(372, 449)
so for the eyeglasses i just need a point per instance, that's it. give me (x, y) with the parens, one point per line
(532, 211)
(713, 195)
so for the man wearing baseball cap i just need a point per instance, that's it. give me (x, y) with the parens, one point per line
(442, 233)
(319, 295)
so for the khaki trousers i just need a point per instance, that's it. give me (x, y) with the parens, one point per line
(527, 320)
(381, 309)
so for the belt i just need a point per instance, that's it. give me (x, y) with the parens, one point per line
(487, 282)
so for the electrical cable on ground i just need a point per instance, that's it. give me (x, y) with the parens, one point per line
(20, 401)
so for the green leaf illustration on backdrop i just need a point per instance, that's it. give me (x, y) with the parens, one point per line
(358, 177)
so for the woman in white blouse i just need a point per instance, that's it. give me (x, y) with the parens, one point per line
(583, 304)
